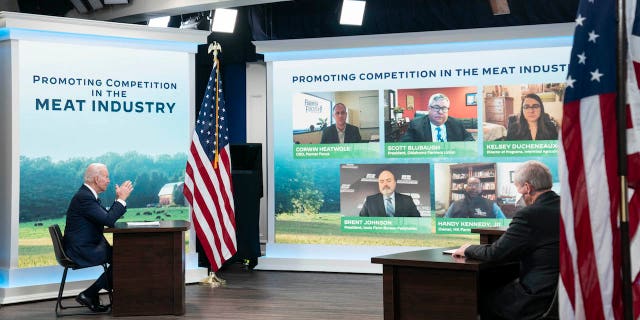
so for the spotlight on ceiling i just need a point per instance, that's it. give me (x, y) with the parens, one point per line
(224, 20)
(352, 12)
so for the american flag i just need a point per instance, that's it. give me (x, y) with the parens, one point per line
(208, 186)
(633, 146)
(590, 260)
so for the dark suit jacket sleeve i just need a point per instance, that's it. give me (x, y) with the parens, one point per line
(83, 236)
(456, 131)
(352, 134)
(405, 206)
(364, 212)
(510, 246)
(373, 206)
(368, 207)
(329, 135)
(90, 207)
(419, 131)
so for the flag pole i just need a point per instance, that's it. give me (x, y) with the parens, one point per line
(213, 280)
(215, 47)
(621, 106)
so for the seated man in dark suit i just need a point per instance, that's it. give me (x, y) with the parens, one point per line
(437, 126)
(388, 203)
(84, 241)
(533, 239)
(473, 205)
(341, 131)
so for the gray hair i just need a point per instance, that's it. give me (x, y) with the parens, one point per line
(535, 173)
(93, 170)
(437, 97)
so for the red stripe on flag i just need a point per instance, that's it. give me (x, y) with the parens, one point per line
(220, 199)
(207, 213)
(634, 217)
(636, 297)
(586, 260)
(633, 170)
(204, 242)
(186, 191)
(227, 199)
(636, 70)
(203, 209)
(566, 267)
(608, 114)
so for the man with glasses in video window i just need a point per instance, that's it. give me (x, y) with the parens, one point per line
(437, 126)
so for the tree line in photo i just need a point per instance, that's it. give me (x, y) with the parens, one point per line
(46, 186)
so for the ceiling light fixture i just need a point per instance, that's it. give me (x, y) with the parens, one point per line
(224, 20)
(352, 12)
(159, 22)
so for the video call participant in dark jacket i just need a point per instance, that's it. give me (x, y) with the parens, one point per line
(388, 203)
(437, 126)
(532, 239)
(474, 205)
(84, 240)
(341, 131)
(533, 123)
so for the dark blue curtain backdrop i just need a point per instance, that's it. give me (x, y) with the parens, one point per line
(234, 86)
(312, 18)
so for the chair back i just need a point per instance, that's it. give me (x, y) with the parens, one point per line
(58, 247)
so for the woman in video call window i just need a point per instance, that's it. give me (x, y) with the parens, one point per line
(533, 123)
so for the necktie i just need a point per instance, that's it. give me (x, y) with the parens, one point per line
(439, 134)
(388, 207)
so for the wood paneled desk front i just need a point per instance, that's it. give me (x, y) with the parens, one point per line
(428, 284)
(148, 269)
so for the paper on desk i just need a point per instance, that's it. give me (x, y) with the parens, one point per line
(143, 223)
(450, 251)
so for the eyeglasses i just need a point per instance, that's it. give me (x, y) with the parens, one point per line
(440, 109)
(533, 106)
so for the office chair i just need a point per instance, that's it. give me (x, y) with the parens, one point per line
(66, 262)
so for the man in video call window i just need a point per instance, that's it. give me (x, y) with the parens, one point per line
(474, 205)
(341, 131)
(437, 126)
(388, 203)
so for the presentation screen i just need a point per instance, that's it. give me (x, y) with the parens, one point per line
(125, 107)
(440, 129)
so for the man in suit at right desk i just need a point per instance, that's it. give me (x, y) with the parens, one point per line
(437, 126)
(532, 239)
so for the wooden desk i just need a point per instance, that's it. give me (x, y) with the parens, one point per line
(428, 284)
(148, 269)
(489, 235)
